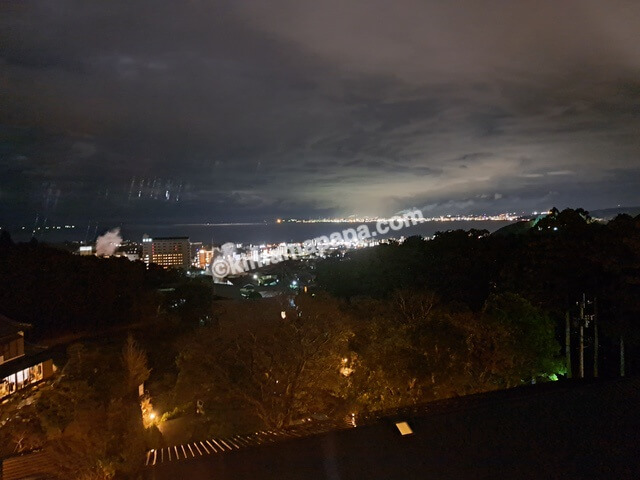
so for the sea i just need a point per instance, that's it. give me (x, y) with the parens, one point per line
(251, 233)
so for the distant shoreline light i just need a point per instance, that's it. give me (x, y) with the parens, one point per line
(510, 217)
(280, 221)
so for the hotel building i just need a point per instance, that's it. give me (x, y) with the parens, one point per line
(169, 252)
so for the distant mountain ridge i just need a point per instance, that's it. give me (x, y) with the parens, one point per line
(519, 228)
(609, 213)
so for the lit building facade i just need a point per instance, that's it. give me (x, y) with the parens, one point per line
(18, 367)
(195, 249)
(169, 252)
(204, 258)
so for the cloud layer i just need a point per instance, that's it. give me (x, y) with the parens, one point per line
(196, 111)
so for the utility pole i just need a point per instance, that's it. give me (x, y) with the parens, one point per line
(582, 302)
(567, 342)
(596, 347)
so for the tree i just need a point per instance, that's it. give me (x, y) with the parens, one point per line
(459, 266)
(270, 369)
(61, 293)
(20, 429)
(191, 301)
(535, 350)
(134, 360)
(412, 349)
(90, 417)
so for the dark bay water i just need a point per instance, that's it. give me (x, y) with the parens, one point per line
(255, 233)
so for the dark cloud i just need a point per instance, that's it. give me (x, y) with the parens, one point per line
(186, 111)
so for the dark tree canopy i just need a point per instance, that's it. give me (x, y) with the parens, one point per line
(551, 262)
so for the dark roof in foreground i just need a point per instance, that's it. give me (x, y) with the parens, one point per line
(37, 465)
(566, 430)
(10, 327)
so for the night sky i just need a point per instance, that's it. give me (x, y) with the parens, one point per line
(193, 111)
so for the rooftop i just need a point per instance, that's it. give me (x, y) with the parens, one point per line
(562, 430)
(168, 238)
(10, 328)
